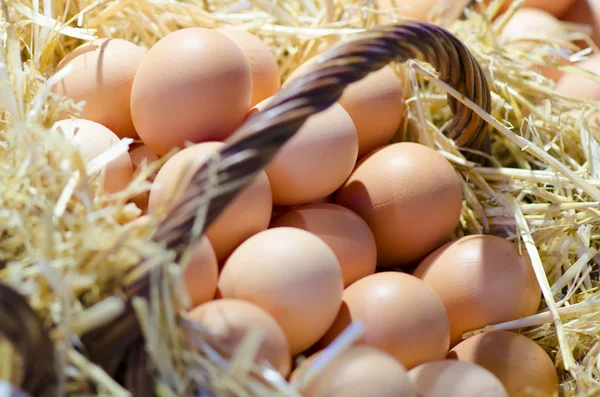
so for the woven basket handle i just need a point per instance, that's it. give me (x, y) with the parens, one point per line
(255, 144)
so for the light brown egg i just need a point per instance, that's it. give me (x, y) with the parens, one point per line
(248, 214)
(141, 154)
(482, 280)
(453, 378)
(556, 7)
(402, 316)
(357, 372)
(230, 320)
(577, 86)
(586, 13)
(102, 74)
(193, 85)
(411, 198)
(522, 365)
(399, 10)
(293, 275)
(525, 30)
(316, 161)
(93, 139)
(375, 104)
(201, 273)
(265, 71)
(345, 232)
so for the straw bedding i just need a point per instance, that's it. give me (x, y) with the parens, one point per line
(69, 248)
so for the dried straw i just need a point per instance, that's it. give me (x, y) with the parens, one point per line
(66, 246)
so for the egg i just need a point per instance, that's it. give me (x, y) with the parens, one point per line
(248, 213)
(91, 140)
(356, 372)
(263, 65)
(344, 232)
(194, 85)
(519, 363)
(401, 314)
(293, 275)
(482, 280)
(201, 273)
(577, 86)
(230, 321)
(375, 104)
(316, 161)
(526, 28)
(452, 378)
(399, 10)
(555, 7)
(411, 198)
(102, 75)
(141, 154)
(587, 14)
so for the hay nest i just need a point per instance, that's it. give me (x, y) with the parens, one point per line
(69, 248)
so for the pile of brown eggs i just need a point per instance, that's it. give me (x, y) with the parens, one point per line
(342, 226)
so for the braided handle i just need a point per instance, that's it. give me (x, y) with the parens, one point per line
(255, 144)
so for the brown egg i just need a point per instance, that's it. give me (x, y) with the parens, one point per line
(293, 275)
(402, 316)
(399, 10)
(230, 320)
(577, 86)
(375, 104)
(555, 7)
(452, 378)
(193, 85)
(246, 215)
(482, 280)
(522, 365)
(526, 28)
(102, 74)
(265, 71)
(93, 139)
(586, 13)
(142, 154)
(357, 372)
(201, 273)
(316, 161)
(345, 232)
(411, 198)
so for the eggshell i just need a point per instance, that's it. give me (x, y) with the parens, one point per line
(577, 86)
(193, 85)
(265, 71)
(102, 75)
(293, 275)
(529, 25)
(482, 280)
(201, 273)
(522, 365)
(402, 316)
(411, 198)
(399, 10)
(230, 321)
(452, 378)
(357, 372)
(344, 232)
(587, 14)
(93, 139)
(555, 7)
(316, 161)
(375, 104)
(248, 213)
